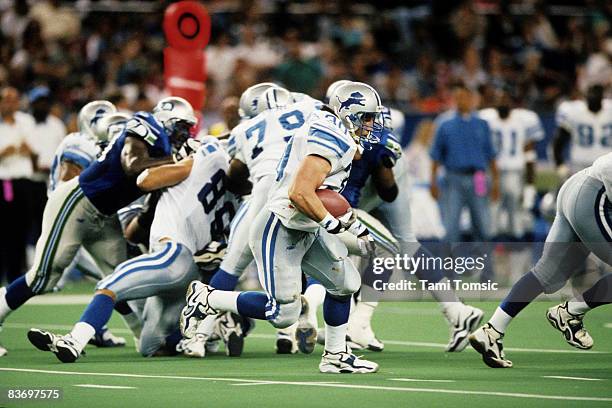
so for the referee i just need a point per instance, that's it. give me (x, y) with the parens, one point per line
(463, 146)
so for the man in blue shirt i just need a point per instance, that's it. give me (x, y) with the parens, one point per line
(463, 145)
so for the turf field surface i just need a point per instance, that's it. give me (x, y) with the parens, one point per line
(414, 367)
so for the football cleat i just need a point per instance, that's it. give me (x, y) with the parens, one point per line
(345, 362)
(65, 347)
(285, 341)
(233, 328)
(194, 347)
(570, 326)
(306, 331)
(464, 321)
(360, 335)
(197, 308)
(488, 342)
(107, 339)
(209, 258)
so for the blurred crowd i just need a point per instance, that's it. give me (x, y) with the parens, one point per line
(411, 54)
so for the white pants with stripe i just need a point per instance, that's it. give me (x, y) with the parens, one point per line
(238, 255)
(69, 222)
(582, 225)
(282, 254)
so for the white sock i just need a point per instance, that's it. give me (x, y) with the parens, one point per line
(224, 300)
(363, 313)
(5, 310)
(444, 296)
(207, 326)
(335, 338)
(500, 320)
(82, 332)
(133, 323)
(315, 295)
(577, 307)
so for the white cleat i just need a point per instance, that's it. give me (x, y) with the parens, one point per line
(488, 342)
(197, 308)
(65, 347)
(345, 362)
(360, 335)
(306, 331)
(570, 326)
(194, 347)
(464, 320)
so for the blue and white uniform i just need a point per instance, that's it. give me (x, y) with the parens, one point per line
(260, 143)
(285, 242)
(511, 135)
(188, 217)
(83, 211)
(76, 148)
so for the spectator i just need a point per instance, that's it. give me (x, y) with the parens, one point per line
(46, 135)
(296, 72)
(463, 146)
(15, 170)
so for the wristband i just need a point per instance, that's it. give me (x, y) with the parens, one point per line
(329, 222)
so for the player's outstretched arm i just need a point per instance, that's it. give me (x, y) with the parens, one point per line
(135, 157)
(163, 176)
(310, 176)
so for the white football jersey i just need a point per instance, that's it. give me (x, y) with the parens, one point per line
(511, 135)
(323, 135)
(75, 147)
(260, 142)
(199, 208)
(591, 132)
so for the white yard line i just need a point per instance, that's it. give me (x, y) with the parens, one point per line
(272, 336)
(420, 380)
(110, 387)
(317, 384)
(560, 377)
(282, 383)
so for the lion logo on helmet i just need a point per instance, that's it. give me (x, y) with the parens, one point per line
(356, 98)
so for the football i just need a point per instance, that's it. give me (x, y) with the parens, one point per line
(333, 202)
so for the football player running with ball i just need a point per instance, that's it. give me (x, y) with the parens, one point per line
(296, 233)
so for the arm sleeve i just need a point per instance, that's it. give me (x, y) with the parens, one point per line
(321, 142)
(535, 131)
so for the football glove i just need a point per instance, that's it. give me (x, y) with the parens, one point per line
(394, 150)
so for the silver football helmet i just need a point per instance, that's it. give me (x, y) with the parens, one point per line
(249, 105)
(90, 114)
(335, 85)
(177, 117)
(359, 107)
(276, 98)
(110, 126)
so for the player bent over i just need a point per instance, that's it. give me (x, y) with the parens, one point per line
(295, 232)
(187, 217)
(583, 225)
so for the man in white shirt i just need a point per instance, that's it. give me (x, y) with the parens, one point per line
(47, 133)
(16, 167)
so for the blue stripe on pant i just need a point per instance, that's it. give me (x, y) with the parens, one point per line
(272, 309)
(148, 262)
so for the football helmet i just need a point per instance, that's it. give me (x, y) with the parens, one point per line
(109, 126)
(276, 98)
(359, 107)
(249, 105)
(335, 85)
(177, 117)
(90, 114)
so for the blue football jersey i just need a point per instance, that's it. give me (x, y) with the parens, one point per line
(105, 183)
(363, 168)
